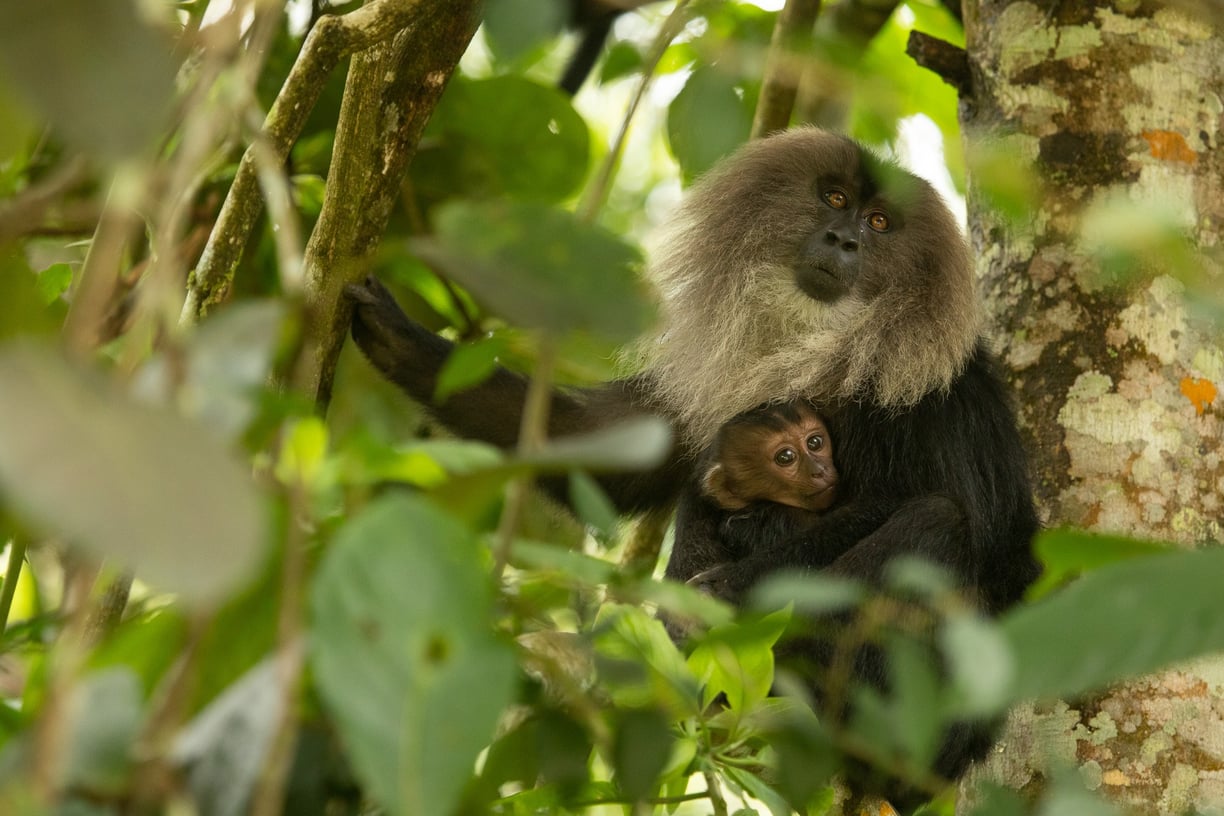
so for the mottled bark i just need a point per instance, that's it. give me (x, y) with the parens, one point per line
(392, 90)
(1111, 104)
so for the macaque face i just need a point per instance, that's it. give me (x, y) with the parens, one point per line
(786, 460)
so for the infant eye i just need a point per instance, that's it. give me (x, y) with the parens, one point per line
(815, 443)
(785, 457)
(878, 221)
(836, 199)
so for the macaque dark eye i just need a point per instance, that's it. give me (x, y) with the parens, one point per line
(786, 457)
(815, 443)
(837, 199)
(878, 221)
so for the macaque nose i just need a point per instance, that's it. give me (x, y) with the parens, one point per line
(846, 243)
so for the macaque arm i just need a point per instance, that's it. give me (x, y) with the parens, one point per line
(411, 356)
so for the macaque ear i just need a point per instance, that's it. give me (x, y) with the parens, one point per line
(714, 486)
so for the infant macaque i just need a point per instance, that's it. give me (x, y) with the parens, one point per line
(775, 453)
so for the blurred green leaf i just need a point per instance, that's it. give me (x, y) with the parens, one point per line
(707, 120)
(503, 136)
(147, 644)
(621, 60)
(1005, 180)
(54, 281)
(227, 360)
(811, 593)
(979, 664)
(540, 267)
(640, 751)
(125, 480)
(995, 800)
(469, 364)
(592, 505)
(23, 299)
(303, 452)
(97, 71)
(514, 28)
(404, 652)
(1066, 553)
(104, 714)
(549, 557)
(634, 444)
(913, 703)
(1130, 618)
(225, 747)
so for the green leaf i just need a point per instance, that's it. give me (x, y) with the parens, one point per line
(1121, 620)
(641, 751)
(634, 444)
(738, 661)
(592, 505)
(105, 713)
(913, 702)
(514, 28)
(640, 665)
(979, 663)
(225, 747)
(468, 365)
(540, 267)
(549, 557)
(621, 60)
(54, 281)
(123, 479)
(404, 653)
(810, 593)
(996, 800)
(758, 789)
(1066, 553)
(227, 362)
(98, 72)
(504, 136)
(707, 120)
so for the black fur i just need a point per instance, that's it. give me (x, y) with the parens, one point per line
(946, 479)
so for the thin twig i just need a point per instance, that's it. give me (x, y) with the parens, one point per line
(533, 432)
(598, 190)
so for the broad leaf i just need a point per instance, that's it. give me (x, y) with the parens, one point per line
(97, 71)
(125, 480)
(539, 267)
(503, 136)
(707, 120)
(404, 652)
(1116, 622)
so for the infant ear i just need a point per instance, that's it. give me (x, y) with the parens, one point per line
(714, 486)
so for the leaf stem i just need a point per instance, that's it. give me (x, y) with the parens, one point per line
(17, 553)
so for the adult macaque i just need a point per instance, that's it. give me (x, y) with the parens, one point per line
(803, 267)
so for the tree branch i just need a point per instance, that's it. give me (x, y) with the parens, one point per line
(947, 61)
(792, 37)
(331, 40)
(392, 90)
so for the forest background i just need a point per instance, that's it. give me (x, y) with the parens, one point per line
(245, 576)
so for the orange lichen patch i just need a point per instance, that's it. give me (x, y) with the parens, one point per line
(1169, 146)
(1115, 777)
(1201, 393)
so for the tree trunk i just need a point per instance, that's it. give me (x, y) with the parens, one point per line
(1117, 108)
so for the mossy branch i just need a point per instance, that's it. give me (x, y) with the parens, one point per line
(332, 39)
